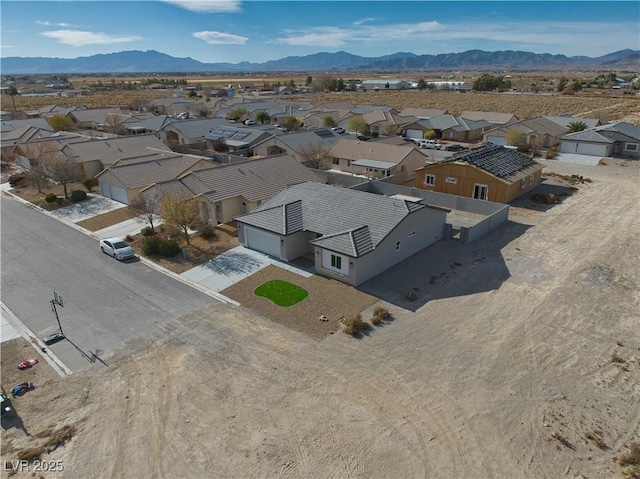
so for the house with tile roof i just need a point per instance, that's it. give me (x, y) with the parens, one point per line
(375, 159)
(26, 134)
(351, 235)
(448, 127)
(423, 113)
(491, 172)
(537, 132)
(613, 139)
(234, 189)
(493, 117)
(239, 139)
(302, 145)
(124, 180)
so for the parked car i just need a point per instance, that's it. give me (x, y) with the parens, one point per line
(116, 247)
(338, 129)
(456, 147)
(362, 137)
(53, 338)
(249, 122)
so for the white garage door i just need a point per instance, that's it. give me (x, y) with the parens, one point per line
(414, 133)
(568, 147)
(591, 149)
(106, 189)
(119, 194)
(497, 140)
(259, 240)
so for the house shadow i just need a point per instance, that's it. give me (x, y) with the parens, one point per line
(544, 196)
(447, 269)
(232, 263)
(12, 420)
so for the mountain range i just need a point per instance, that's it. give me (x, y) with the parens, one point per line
(151, 61)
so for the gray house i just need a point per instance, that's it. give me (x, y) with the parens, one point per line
(612, 139)
(352, 235)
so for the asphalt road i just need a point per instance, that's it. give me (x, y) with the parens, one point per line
(106, 302)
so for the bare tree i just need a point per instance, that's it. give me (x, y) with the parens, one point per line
(181, 212)
(356, 123)
(13, 91)
(60, 122)
(114, 122)
(64, 172)
(147, 207)
(40, 155)
(391, 129)
(515, 138)
(314, 155)
(219, 145)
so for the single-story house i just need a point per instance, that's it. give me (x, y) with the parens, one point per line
(448, 127)
(26, 134)
(239, 139)
(234, 189)
(309, 147)
(493, 117)
(123, 181)
(492, 172)
(613, 139)
(565, 120)
(351, 235)
(538, 132)
(423, 113)
(190, 132)
(375, 160)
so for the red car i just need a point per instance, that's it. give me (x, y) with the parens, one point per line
(28, 363)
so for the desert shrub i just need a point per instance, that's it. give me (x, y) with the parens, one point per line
(90, 183)
(169, 248)
(615, 358)
(552, 152)
(596, 438)
(379, 315)
(128, 239)
(50, 197)
(77, 196)
(632, 457)
(172, 231)
(354, 324)
(208, 233)
(375, 134)
(151, 246)
(147, 231)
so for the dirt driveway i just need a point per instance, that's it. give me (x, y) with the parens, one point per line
(522, 361)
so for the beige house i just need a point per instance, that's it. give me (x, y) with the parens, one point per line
(235, 189)
(538, 132)
(375, 160)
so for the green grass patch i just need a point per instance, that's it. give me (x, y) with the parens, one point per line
(281, 292)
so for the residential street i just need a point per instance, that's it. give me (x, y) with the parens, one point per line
(106, 302)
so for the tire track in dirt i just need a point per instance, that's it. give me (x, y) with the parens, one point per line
(129, 412)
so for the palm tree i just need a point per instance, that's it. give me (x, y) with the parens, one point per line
(575, 126)
(263, 117)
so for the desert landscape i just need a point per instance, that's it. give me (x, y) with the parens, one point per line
(521, 360)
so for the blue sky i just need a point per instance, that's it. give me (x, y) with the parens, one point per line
(261, 30)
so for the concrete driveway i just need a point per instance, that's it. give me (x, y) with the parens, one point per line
(234, 265)
(92, 206)
(128, 227)
(578, 159)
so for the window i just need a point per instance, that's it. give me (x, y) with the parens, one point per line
(451, 179)
(336, 261)
(480, 192)
(403, 168)
(531, 179)
(523, 183)
(430, 180)
(348, 162)
(631, 147)
(397, 245)
(335, 161)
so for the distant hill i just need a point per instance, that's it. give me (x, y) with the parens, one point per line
(152, 61)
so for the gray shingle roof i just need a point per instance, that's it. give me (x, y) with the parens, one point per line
(253, 180)
(625, 128)
(174, 188)
(497, 160)
(351, 222)
(587, 135)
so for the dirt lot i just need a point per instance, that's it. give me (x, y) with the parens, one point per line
(522, 361)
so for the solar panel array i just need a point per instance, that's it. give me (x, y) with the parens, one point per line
(324, 133)
(497, 160)
(228, 134)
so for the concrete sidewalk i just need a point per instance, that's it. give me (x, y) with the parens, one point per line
(93, 206)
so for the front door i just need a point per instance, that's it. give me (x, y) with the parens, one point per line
(480, 192)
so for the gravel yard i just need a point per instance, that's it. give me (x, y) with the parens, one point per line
(327, 297)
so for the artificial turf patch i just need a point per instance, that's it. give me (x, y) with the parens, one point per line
(281, 292)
